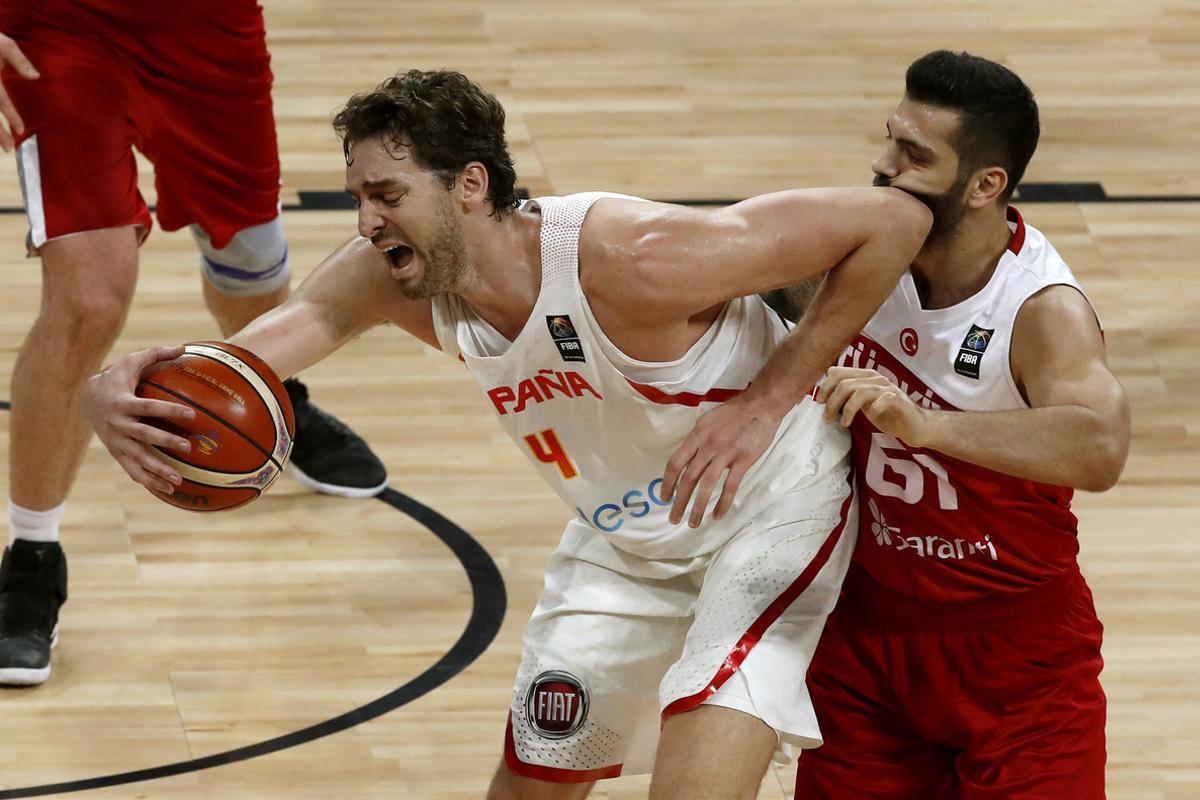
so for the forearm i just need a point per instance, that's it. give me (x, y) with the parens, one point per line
(292, 337)
(850, 294)
(343, 297)
(1068, 445)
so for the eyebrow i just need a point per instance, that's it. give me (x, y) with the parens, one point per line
(384, 183)
(375, 186)
(910, 143)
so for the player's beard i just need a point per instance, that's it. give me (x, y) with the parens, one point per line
(446, 261)
(948, 207)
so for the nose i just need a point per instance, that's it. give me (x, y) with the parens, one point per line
(886, 164)
(369, 221)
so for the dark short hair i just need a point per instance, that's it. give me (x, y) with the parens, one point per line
(446, 121)
(998, 115)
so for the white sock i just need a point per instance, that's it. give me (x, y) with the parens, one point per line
(33, 526)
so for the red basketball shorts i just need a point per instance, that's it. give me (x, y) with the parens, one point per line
(998, 712)
(194, 99)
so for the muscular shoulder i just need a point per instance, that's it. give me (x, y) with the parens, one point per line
(1056, 333)
(1053, 313)
(621, 249)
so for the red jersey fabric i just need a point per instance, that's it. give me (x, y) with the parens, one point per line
(963, 659)
(1008, 711)
(941, 529)
(187, 83)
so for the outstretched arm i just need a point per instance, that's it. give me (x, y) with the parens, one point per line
(1075, 432)
(348, 293)
(863, 243)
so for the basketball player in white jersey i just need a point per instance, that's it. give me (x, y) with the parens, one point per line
(599, 327)
(964, 658)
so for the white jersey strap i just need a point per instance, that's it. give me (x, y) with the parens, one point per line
(562, 220)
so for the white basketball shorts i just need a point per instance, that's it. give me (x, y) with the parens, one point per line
(618, 643)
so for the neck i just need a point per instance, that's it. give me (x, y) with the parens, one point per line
(507, 276)
(957, 266)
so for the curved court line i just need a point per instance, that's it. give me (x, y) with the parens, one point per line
(487, 612)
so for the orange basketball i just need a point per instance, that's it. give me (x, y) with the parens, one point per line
(242, 432)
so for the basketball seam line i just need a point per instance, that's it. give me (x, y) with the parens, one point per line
(267, 383)
(263, 378)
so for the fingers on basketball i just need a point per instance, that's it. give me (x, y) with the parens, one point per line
(240, 434)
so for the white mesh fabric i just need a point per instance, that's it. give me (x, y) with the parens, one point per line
(562, 217)
(749, 574)
(593, 746)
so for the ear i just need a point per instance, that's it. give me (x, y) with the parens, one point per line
(472, 186)
(986, 186)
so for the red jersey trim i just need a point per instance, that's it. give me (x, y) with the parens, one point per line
(1018, 238)
(551, 774)
(756, 630)
(684, 398)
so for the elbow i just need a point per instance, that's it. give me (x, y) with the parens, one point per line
(1106, 465)
(1099, 482)
(910, 218)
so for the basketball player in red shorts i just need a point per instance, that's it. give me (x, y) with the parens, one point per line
(188, 84)
(963, 659)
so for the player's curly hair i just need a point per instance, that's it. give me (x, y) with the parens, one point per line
(446, 121)
(998, 115)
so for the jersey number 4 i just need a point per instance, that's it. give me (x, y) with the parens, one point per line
(547, 449)
(907, 481)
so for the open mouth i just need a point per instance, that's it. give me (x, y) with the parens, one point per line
(399, 256)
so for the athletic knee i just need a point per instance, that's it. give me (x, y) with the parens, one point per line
(253, 263)
(87, 319)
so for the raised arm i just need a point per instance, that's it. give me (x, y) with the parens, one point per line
(348, 293)
(1075, 432)
(862, 239)
(686, 260)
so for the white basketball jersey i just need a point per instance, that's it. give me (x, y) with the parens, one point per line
(599, 426)
(934, 526)
(961, 353)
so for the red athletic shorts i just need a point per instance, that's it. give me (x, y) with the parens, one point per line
(917, 707)
(192, 91)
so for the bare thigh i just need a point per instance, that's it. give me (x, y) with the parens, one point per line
(508, 786)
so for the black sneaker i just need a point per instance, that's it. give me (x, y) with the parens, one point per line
(329, 457)
(33, 584)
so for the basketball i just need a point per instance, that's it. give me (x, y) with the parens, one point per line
(241, 434)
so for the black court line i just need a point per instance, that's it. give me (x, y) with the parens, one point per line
(1067, 192)
(1086, 192)
(487, 613)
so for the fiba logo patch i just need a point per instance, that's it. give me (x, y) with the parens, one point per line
(565, 338)
(909, 342)
(556, 705)
(971, 353)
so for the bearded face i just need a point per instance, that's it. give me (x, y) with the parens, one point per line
(408, 213)
(445, 258)
(948, 207)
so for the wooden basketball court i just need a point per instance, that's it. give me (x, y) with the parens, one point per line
(190, 636)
